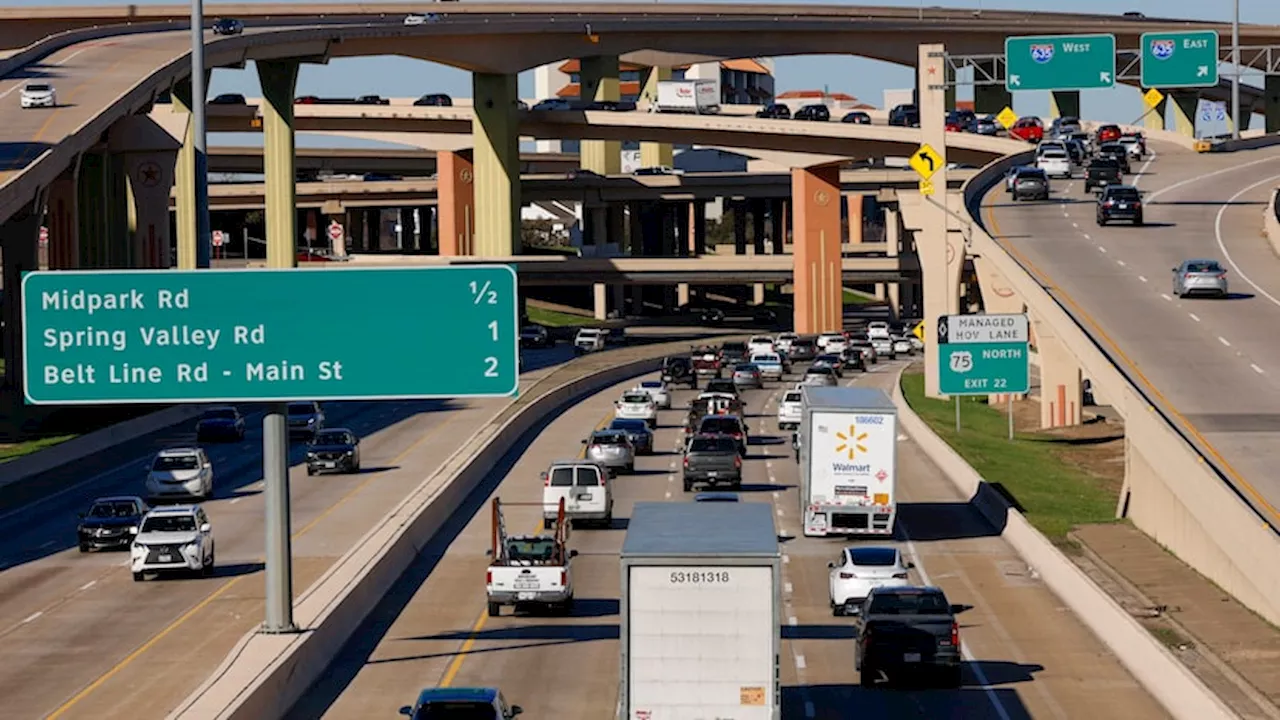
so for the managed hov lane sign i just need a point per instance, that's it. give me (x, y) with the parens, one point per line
(983, 354)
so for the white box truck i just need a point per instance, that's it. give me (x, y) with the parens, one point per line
(688, 96)
(848, 461)
(700, 608)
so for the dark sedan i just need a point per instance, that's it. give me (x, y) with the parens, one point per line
(638, 433)
(220, 423)
(111, 522)
(334, 450)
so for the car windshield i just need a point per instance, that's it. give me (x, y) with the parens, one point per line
(652, 384)
(765, 359)
(169, 523)
(168, 463)
(874, 557)
(456, 711)
(1104, 163)
(720, 426)
(301, 409)
(801, 343)
(628, 425)
(38, 88)
(722, 386)
(746, 368)
(928, 603)
(1204, 267)
(734, 347)
(609, 439)
(635, 398)
(531, 549)
(819, 371)
(1123, 194)
(1031, 174)
(115, 509)
(530, 330)
(792, 397)
(1054, 154)
(331, 437)
(220, 415)
(713, 444)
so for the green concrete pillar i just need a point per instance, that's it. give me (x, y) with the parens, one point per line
(1064, 103)
(1271, 96)
(598, 82)
(1184, 111)
(990, 99)
(496, 164)
(185, 178)
(1153, 118)
(279, 80)
(654, 154)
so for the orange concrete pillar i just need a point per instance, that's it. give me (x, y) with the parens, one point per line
(63, 223)
(815, 195)
(855, 218)
(456, 203)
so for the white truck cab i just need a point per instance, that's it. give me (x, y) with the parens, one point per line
(530, 570)
(584, 487)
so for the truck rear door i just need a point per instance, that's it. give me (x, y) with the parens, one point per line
(557, 484)
(590, 494)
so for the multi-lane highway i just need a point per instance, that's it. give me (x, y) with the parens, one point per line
(1213, 363)
(1028, 656)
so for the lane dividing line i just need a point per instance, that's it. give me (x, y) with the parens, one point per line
(1166, 297)
(1256, 368)
(1194, 317)
(1217, 231)
(1120, 263)
(1101, 249)
(1143, 278)
(31, 617)
(1223, 341)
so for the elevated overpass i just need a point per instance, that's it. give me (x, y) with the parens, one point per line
(248, 160)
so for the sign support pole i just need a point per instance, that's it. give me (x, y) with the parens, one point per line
(1011, 417)
(279, 555)
(957, 413)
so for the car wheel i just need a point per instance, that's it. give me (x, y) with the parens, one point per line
(137, 577)
(631, 468)
(1101, 221)
(311, 470)
(84, 547)
(206, 570)
(547, 523)
(1138, 221)
(688, 486)
(355, 468)
(494, 609)
(867, 675)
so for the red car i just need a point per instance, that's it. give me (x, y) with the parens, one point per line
(1029, 129)
(1108, 133)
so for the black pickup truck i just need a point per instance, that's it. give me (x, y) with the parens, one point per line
(732, 353)
(908, 631)
(712, 460)
(1102, 172)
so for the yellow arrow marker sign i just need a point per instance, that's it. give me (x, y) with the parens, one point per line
(926, 187)
(1007, 117)
(1153, 97)
(926, 161)
(918, 331)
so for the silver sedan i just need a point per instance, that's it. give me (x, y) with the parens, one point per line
(1200, 277)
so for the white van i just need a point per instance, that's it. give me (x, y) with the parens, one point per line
(587, 489)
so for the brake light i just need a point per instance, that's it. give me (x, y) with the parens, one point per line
(594, 447)
(737, 436)
(546, 480)
(488, 577)
(564, 580)
(686, 462)
(737, 461)
(955, 634)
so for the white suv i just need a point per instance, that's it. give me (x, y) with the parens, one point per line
(789, 411)
(588, 340)
(760, 345)
(637, 405)
(182, 473)
(38, 95)
(177, 538)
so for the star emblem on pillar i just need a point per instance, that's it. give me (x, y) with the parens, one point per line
(933, 69)
(149, 174)
(465, 175)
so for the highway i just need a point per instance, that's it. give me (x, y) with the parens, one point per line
(1028, 656)
(1212, 362)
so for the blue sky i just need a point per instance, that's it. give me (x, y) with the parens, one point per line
(866, 79)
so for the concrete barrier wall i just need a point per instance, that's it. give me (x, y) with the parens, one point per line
(1173, 491)
(54, 43)
(1168, 136)
(79, 448)
(1181, 693)
(266, 674)
(1271, 221)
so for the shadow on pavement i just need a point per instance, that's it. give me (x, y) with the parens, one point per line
(933, 521)
(834, 702)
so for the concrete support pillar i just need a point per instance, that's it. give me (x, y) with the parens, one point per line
(684, 226)
(1271, 95)
(339, 247)
(757, 226)
(185, 178)
(757, 294)
(987, 99)
(63, 220)
(654, 154)
(600, 293)
(739, 228)
(1153, 117)
(455, 203)
(778, 225)
(938, 256)
(699, 227)
(1064, 103)
(495, 128)
(102, 201)
(854, 203)
(1185, 104)
(149, 155)
(682, 295)
(1060, 388)
(279, 80)
(815, 199)
(20, 246)
(598, 82)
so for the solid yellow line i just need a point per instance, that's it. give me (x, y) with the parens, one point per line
(1132, 366)
(131, 657)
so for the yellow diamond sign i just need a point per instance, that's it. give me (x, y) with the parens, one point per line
(918, 331)
(1153, 97)
(926, 161)
(1007, 117)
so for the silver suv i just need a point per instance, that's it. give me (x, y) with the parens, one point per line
(612, 449)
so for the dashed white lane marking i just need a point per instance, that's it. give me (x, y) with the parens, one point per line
(1166, 297)
(786, 587)
(779, 511)
(668, 496)
(1120, 263)
(777, 493)
(31, 617)
(672, 465)
(88, 585)
(234, 501)
(1075, 225)
(1224, 341)
(1143, 278)
(800, 662)
(1256, 369)
(901, 437)
(786, 559)
(1101, 249)
(792, 621)
(1086, 236)
(768, 464)
(1194, 317)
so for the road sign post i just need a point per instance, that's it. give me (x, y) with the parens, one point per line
(1180, 59)
(983, 355)
(1060, 62)
(174, 336)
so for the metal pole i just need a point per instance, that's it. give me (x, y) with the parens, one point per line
(198, 93)
(1011, 417)
(920, 16)
(957, 413)
(275, 482)
(1235, 73)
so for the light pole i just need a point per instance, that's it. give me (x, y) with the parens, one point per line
(203, 234)
(1235, 74)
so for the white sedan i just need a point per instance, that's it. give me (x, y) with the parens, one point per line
(658, 391)
(637, 405)
(37, 95)
(760, 345)
(862, 568)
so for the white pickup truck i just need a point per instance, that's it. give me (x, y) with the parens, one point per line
(530, 570)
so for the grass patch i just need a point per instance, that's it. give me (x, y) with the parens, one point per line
(17, 450)
(555, 318)
(1055, 494)
(1170, 638)
(854, 297)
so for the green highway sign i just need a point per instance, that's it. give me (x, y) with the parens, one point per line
(1180, 59)
(176, 336)
(1060, 62)
(983, 354)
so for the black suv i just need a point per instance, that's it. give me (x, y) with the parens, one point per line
(857, 117)
(1120, 202)
(905, 116)
(333, 450)
(434, 100)
(227, 26)
(1117, 152)
(1030, 184)
(776, 111)
(1101, 172)
(816, 113)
